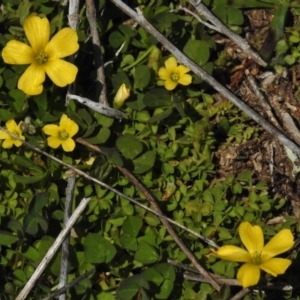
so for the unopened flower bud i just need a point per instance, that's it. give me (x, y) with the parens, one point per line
(154, 59)
(122, 94)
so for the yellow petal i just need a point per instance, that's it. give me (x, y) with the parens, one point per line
(181, 70)
(248, 275)
(11, 126)
(17, 53)
(37, 31)
(122, 94)
(63, 123)
(68, 125)
(68, 145)
(275, 266)
(4, 135)
(32, 79)
(17, 143)
(51, 129)
(170, 84)
(185, 79)
(53, 142)
(63, 44)
(281, 242)
(7, 144)
(61, 72)
(171, 64)
(164, 74)
(251, 236)
(233, 253)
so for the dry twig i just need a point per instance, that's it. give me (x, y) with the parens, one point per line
(64, 264)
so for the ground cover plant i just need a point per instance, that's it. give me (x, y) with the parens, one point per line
(149, 149)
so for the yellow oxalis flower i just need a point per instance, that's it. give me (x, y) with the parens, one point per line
(257, 256)
(62, 134)
(173, 74)
(122, 94)
(44, 56)
(15, 129)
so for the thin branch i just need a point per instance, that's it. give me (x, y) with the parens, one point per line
(64, 264)
(70, 285)
(53, 249)
(73, 16)
(101, 86)
(240, 294)
(169, 228)
(206, 77)
(98, 107)
(202, 10)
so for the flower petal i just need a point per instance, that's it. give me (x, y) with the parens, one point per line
(7, 144)
(63, 44)
(4, 135)
(233, 253)
(37, 31)
(31, 80)
(17, 53)
(181, 70)
(170, 84)
(171, 64)
(68, 125)
(68, 145)
(281, 242)
(251, 236)
(17, 143)
(11, 126)
(61, 72)
(275, 266)
(163, 74)
(185, 79)
(52, 130)
(63, 123)
(248, 275)
(53, 142)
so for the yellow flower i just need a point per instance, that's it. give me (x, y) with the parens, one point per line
(44, 56)
(122, 94)
(62, 134)
(173, 74)
(9, 141)
(258, 256)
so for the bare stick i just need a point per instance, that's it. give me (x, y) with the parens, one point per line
(98, 107)
(209, 79)
(70, 285)
(51, 252)
(101, 86)
(64, 264)
(73, 16)
(240, 294)
(202, 10)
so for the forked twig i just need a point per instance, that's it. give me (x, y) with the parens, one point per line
(70, 285)
(202, 10)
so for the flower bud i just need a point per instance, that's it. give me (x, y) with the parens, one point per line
(154, 59)
(122, 94)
